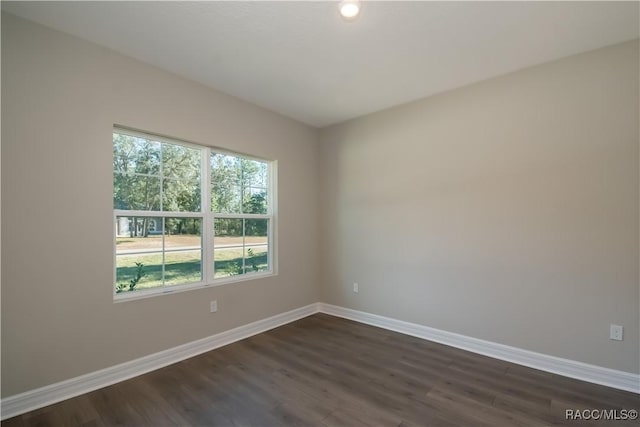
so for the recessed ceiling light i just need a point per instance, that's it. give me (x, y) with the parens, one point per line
(349, 9)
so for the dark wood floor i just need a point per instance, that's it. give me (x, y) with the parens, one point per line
(327, 371)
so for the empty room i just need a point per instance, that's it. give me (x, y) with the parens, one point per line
(320, 213)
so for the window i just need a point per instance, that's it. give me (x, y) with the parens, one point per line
(188, 216)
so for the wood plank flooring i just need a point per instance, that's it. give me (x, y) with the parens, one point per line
(327, 371)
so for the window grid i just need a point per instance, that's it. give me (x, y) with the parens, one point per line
(207, 219)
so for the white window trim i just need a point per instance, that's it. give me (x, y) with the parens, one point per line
(208, 218)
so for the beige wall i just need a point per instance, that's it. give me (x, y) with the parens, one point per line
(506, 210)
(60, 99)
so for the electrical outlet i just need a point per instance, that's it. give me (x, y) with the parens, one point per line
(615, 332)
(214, 306)
(355, 287)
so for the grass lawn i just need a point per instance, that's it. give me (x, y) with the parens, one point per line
(180, 267)
(186, 266)
(228, 261)
(180, 241)
(155, 242)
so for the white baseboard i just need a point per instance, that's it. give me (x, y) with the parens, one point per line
(53, 393)
(565, 367)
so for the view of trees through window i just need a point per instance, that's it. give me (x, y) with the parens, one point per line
(158, 197)
(239, 190)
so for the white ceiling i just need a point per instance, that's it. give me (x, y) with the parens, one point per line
(302, 60)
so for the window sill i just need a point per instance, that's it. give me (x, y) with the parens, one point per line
(150, 293)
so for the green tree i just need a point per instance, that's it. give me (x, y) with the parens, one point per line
(181, 178)
(256, 204)
(150, 176)
(136, 184)
(235, 184)
(141, 165)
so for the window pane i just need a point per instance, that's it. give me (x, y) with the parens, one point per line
(138, 234)
(183, 250)
(180, 162)
(183, 267)
(135, 155)
(256, 245)
(240, 246)
(254, 183)
(225, 198)
(225, 169)
(138, 253)
(227, 231)
(228, 247)
(227, 261)
(136, 192)
(181, 195)
(254, 200)
(226, 189)
(256, 258)
(238, 185)
(128, 267)
(254, 173)
(183, 233)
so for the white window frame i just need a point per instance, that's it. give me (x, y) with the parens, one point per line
(208, 217)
